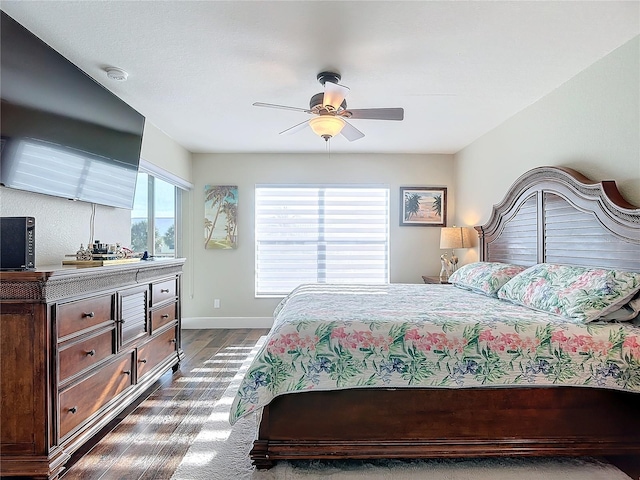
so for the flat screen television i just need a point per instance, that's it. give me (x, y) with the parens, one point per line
(62, 133)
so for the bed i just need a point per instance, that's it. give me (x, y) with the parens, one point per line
(437, 371)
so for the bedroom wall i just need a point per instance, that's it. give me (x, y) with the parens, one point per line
(590, 123)
(61, 225)
(164, 152)
(229, 274)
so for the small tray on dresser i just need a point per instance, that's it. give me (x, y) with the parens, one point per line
(99, 263)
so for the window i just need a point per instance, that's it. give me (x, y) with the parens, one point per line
(320, 234)
(155, 215)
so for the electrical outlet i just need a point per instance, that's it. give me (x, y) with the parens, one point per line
(216, 303)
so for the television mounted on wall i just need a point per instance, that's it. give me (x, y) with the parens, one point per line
(62, 133)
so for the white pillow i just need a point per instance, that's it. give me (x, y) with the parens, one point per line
(626, 312)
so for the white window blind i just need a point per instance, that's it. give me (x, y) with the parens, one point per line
(318, 234)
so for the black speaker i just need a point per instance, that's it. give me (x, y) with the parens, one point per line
(17, 243)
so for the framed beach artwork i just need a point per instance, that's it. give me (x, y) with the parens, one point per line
(220, 216)
(423, 206)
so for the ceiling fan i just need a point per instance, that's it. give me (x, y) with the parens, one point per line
(330, 112)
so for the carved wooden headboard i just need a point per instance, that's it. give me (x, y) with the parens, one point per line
(557, 215)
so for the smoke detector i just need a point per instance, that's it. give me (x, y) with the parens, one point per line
(115, 73)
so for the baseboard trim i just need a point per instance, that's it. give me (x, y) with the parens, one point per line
(226, 322)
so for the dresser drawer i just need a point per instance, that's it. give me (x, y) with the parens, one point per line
(153, 352)
(162, 291)
(87, 397)
(73, 317)
(77, 356)
(163, 316)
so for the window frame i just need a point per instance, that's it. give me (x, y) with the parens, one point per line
(387, 226)
(155, 173)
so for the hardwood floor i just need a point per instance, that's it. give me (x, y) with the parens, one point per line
(149, 440)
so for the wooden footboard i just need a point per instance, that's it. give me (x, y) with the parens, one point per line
(446, 423)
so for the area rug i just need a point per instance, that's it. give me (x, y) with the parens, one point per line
(221, 452)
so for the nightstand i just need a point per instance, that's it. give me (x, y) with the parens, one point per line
(427, 279)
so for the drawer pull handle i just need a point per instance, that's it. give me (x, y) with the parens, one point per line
(164, 290)
(91, 353)
(127, 372)
(88, 314)
(144, 360)
(166, 315)
(73, 409)
(173, 340)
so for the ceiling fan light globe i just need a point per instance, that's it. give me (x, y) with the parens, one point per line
(326, 126)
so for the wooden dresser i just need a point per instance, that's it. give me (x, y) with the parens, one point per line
(77, 346)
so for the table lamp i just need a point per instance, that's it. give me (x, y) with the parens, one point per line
(452, 238)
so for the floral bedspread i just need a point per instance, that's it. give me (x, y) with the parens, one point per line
(328, 337)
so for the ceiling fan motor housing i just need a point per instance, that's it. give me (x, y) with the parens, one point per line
(317, 100)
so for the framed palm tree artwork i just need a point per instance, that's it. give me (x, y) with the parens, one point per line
(423, 206)
(220, 216)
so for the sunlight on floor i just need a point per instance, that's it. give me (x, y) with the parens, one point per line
(215, 435)
(239, 355)
(175, 403)
(200, 458)
(197, 379)
(210, 370)
(188, 401)
(226, 401)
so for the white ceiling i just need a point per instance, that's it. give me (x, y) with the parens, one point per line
(458, 68)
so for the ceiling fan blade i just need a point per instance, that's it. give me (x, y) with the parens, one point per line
(350, 132)
(375, 113)
(295, 128)
(282, 107)
(334, 94)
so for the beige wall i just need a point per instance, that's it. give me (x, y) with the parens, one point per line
(591, 123)
(165, 153)
(229, 274)
(62, 225)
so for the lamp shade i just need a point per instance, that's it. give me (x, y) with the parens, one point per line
(455, 237)
(326, 126)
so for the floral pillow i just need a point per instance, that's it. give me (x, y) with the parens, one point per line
(484, 277)
(577, 293)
